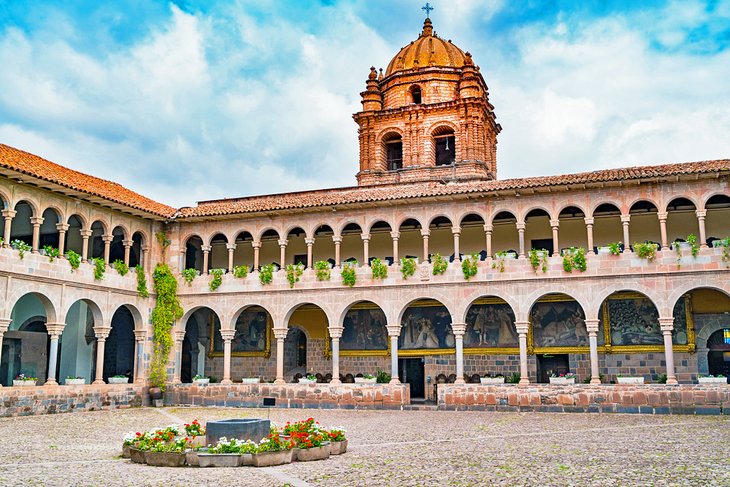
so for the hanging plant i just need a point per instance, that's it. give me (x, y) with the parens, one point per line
(99, 268)
(693, 244)
(293, 273)
(469, 266)
(189, 275)
(348, 273)
(646, 250)
(120, 267)
(614, 248)
(167, 310)
(500, 258)
(141, 282)
(21, 247)
(266, 274)
(379, 269)
(217, 279)
(240, 271)
(574, 258)
(322, 270)
(51, 252)
(407, 267)
(439, 264)
(539, 258)
(73, 259)
(725, 245)
(678, 250)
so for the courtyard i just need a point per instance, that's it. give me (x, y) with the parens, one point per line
(408, 448)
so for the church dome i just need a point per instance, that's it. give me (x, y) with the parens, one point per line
(426, 51)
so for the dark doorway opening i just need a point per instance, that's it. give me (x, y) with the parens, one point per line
(549, 364)
(543, 244)
(718, 355)
(411, 372)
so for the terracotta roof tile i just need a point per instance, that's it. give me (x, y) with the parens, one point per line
(38, 167)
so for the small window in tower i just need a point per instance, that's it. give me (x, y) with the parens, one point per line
(416, 94)
(394, 149)
(445, 149)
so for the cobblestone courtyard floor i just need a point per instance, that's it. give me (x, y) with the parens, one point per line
(391, 448)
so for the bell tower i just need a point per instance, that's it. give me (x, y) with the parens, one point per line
(428, 118)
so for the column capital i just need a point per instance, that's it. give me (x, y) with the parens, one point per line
(589, 221)
(701, 213)
(666, 324)
(459, 329)
(62, 227)
(85, 233)
(228, 335)
(9, 213)
(335, 331)
(36, 221)
(336, 239)
(280, 333)
(456, 230)
(425, 232)
(127, 243)
(140, 335)
(309, 241)
(256, 244)
(522, 327)
(283, 242)
(393, 330)
(520, 226)
(184, 250)
(145, 248)
(206, 248)
(102, 332)
(395, 235)
(488, 228)
(554, 223)
(365, 236)
(179, 335)
(4, 324)
(625, 218)
(107, 238)
(662, 216)
(231, 247)
(55, 329)
(592, 326)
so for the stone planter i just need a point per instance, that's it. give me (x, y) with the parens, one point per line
(563, 381)
(271, 458)
(306, 381)
(219, 459)
(246, 460)
(158, 403)
(136, 455)
(312, 454)
(630, 380)
(491, 380)
(191, 457)
(604, 250)
(202, 382)
(125, 451)
(363, 380)
(250, 380)
(242, 429)
(164, 459)
(118, 380)
(712, 380)
(74, 382)
(338, 447)
(23, 383)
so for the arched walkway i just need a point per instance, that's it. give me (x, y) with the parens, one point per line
(119, 350)
(200, 327)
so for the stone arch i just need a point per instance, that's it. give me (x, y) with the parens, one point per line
(533, 207)
(500, 211)
(600, 203)
(403, 219)
(291, 308)
(93, 307)
(199, 338)
(709, 196)
(466, 213)
(389, 130)
(466, 302)
(421, 296)
(639, 198)
(5, 197)
(186, 316)
(582, 207)
(34, 206)
(676, 196)
(48, 306)
(375, 221)
(231, 321)
(343, 312)
(136, 315)
(599, 297)
(271, 229)
(522, 313)
(81, 218)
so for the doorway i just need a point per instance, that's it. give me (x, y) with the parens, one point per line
(718, 355)
(549, 364)
(411, 372)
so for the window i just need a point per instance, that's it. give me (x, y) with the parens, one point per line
(394, 151)
(416, 94)
(445, 149)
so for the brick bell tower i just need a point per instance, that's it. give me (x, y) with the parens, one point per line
(428, 118)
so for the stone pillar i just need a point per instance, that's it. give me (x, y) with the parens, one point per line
(663, 229)
(256, 252)
(522, 327)
(8, 215)
(521, 234)
(335, 334)
(459, 329)
(592, 328)
(554, 225)
(701, 214)
(62, 229)
(488, 229)
(280, 335)
(456, 231)
(127, 250)
(107, 239)
(625, 219)
(589, 231)
(85, 235)
(101, 333)
(4, 325)
(667, 325)
(338, 242)
(425, 233)
(140, 337)
(227, 336)
(231, 248)
(394, 333)
(282, 252)
(395, 236)
(184, 258)
(145, 252)
(36, 221)
(310, 248)
(206, 256)
(54, 331)
(365, 248)
(179, 336)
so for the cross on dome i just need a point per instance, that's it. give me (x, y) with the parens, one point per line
(427, 8)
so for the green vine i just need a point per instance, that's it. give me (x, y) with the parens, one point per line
(499, 259)
(120, 267)
(678, 250)
(266, 274)
(322, 270)
(614, 248)
(725, 244)
(694, 244)
(163, 240)
(217, 279)
(21, 247)
(574, 258)
(380, 270)
(348, 273)
(73, 259)
(189, 275)
(141, 282)
(407, 267)
(469, 266)
(167, 310)
(99, 268)
(646, 250)
(240, 271)
(293, 273)
(51, 252)
(538, 258)
(439, 264)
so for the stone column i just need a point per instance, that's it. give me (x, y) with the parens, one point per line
(338, 242)
(4, 325)
(280, 335)
(456, 231)
(54, 331)
(62, 229)
(310, 249)
(36, 221)
(394, 333)
(589, 231)
(206, 256)
(667, 325)
(425, 233)
(554, 225)
(365, 248)
(488, 229)
(227, 336)
(140, 337)
(8, 215)
(592, 328)
(625, 219)
(335, 334)
(101, 333)
(282, 252)
(459, 329)
(127, 250)
(663, 229)
(256, 252)
(107, 239)
(701, 214)
(179, 336)
(521, 234)
(395, 236)
(231, 248)
(85, 235)
(522, 327)
(184, 258)
(145, 252)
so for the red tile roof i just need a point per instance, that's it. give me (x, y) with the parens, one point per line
(26, 163)
(349, 195)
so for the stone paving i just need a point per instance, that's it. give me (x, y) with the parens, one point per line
(403, 448)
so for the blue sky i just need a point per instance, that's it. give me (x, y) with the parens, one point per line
(191, 100)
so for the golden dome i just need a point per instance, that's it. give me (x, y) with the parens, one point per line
(428, 50)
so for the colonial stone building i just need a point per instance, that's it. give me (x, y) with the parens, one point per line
(431, 268)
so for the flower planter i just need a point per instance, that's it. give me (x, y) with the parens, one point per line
(23, 383)
(630, 380)
(118, 380)
(246, 460)
(307, 381)
(74, 382)
(125, 451)
(219, 459)
(338, 447)
(492, 380)
(312, 454)
(201, 382)
(136, 455)
(363, 380)
(164, 459)
(712, 380)
(250, 380)
(604, 250)
(198, 441)
(562, 380)
(271, 458)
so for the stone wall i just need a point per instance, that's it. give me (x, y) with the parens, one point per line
(646, 399)
(28, 401)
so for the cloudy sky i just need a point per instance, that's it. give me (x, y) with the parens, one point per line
(194, 99)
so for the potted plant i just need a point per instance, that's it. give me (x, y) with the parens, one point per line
(23, 380)
(338, 441)
(227, 453)
(308, 379)
(196, 432)
(21, 247)
(323, 270)
(74, 381)
(539, 259)
(724, 244)
(383, 377)
(563, 379)
(629, 379)
(712, 379)
(189, 275)
(500, 257)
(439, 264)
(492, 379)
(469, 266)
(574, 258)
(646, 250)
(250, 380)
(348, 274)
(51, 252)
(408, 266)
(310, 441)
(294, 273)
(118, 379)
(169, 453)
(366, 379)
(272, 450)
(201, 380)
(379, 269)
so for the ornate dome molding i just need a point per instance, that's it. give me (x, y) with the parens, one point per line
(429, 50)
